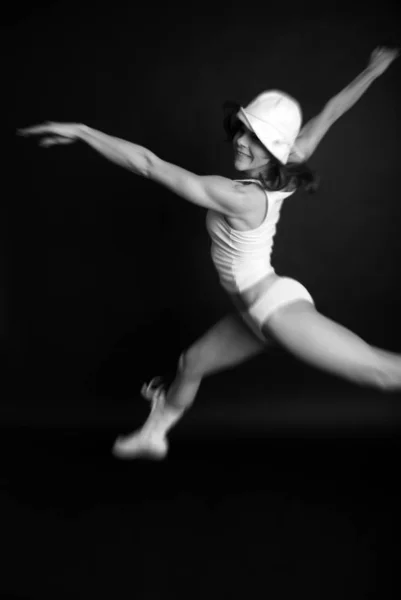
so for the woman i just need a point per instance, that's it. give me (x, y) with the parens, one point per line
(270, 149)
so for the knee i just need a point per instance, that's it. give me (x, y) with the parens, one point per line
(386, 381)
(381, 376)
(190, 364)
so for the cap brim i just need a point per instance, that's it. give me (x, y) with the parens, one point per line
(268, 135)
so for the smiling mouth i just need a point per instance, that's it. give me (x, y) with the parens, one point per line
(243, 153)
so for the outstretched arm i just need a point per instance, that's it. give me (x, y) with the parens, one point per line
(121, 152)
(217, 193)
(315, 129)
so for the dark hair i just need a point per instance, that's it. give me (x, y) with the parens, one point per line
(277, 176)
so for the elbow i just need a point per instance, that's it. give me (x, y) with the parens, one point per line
(141, 163)
(145, 167)
(149, 165)
(334, 109)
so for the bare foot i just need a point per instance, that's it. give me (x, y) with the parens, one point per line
(140, 444)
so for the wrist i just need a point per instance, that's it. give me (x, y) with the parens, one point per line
(372, 72)
(81, 131)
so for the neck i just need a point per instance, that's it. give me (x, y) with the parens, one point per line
(254, 173)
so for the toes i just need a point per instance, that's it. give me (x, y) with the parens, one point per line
(154, 390)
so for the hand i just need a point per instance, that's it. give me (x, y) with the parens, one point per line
(381, 58)
(54, 133)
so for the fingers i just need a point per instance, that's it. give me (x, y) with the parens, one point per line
(34, 130)
(54, 133)
(154, 390)
(389, 52)
(386, 52)
(391, 43)
(61, 129)
(46, 142)
(381, 58)
(54, 141)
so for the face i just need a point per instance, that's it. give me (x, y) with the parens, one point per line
(249, 154)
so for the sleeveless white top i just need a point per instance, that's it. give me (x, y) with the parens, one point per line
(242, 258)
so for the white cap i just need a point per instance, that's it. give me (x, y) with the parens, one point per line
(275, 117)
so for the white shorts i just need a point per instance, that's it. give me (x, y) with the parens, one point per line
(282, 292)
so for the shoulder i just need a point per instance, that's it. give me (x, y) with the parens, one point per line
(235, 186)
(238, 196)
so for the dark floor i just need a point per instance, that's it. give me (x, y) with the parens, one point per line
(294, 497)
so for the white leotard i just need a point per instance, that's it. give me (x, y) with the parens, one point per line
(242, 258)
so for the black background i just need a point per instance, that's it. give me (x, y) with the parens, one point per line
(281, 480)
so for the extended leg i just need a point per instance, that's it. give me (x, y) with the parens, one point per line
(327, 345)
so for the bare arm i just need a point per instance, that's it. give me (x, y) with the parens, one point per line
(133, 157)
(217, 193)
(315, 129)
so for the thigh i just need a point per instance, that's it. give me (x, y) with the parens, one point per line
(228, 343)
(318, 340)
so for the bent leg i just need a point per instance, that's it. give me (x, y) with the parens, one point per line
(227, 344)
(321, 342)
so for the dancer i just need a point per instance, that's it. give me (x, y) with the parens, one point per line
(271, 150)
